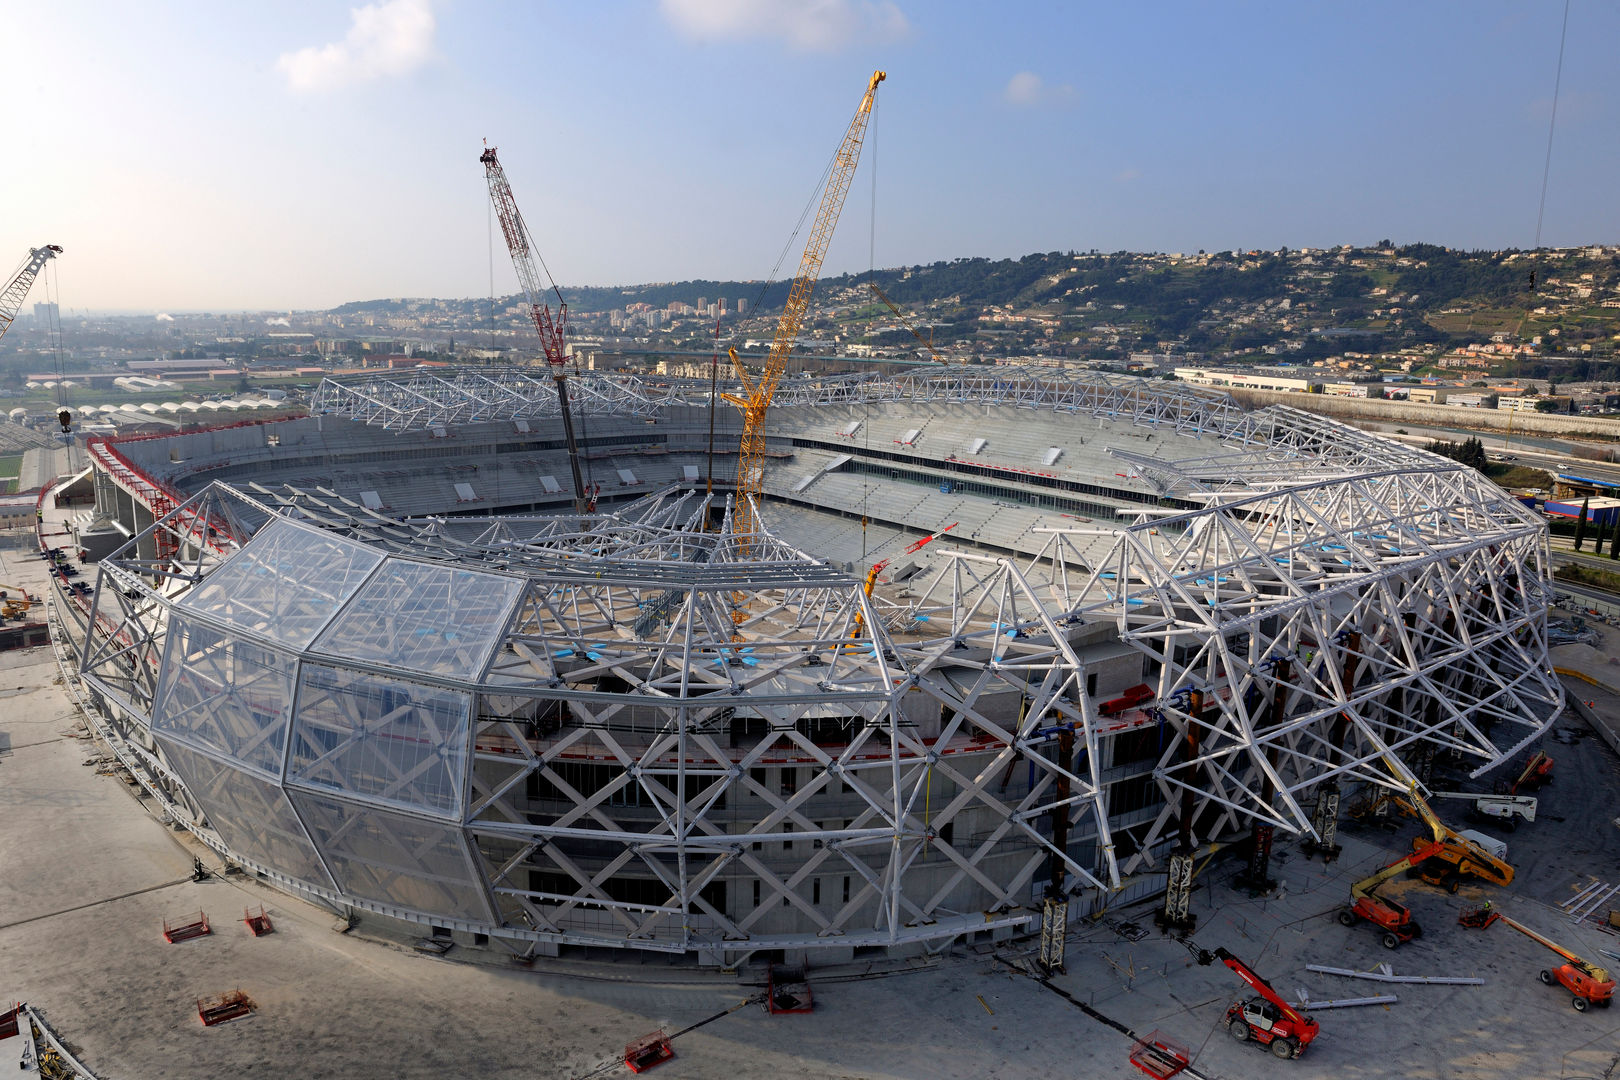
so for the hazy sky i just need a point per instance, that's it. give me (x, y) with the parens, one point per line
(296, 155)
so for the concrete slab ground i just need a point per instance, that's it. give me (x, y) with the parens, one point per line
(87, 876)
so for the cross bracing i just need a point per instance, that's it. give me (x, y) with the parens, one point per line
(643, 735)
(449, 397)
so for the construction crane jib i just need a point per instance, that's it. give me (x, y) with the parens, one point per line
(551, 331)
(17, 288)
(758, 390)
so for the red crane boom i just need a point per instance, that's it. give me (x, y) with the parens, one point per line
(524, 258)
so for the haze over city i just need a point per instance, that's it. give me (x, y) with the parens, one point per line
(191, 157)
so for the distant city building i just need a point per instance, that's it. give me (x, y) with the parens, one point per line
(1353, 389)
(45, 314)
(1245, 380)
(742, 306)
(1520, 404)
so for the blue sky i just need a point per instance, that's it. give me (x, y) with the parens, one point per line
(298, 155)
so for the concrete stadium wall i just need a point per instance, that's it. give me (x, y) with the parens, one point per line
(1409, 412)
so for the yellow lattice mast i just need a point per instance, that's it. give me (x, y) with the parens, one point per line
(757, 391)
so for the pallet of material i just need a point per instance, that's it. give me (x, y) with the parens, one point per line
(186, 927)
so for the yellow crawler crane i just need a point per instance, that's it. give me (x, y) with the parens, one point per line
(757, 390)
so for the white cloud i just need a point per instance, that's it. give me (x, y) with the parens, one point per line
(808, 25)
(387, 39)
(1028, 89)
(1125, 176)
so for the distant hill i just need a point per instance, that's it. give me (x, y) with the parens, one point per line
(1298, 304)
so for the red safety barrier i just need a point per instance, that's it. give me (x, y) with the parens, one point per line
(1159, 1056)
(649, 1050)
(186, 927)
(787, 991)
(258, 921)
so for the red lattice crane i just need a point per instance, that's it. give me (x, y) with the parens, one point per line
(524, 261)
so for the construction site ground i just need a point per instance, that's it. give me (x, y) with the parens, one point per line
(88, 876)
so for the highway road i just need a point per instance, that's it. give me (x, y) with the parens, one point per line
(1540, 452)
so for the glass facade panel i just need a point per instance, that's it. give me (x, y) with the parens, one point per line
(285, 583)
(250, 814)
(381, 738)
(225, 694)
(395, 858)
(426, 617)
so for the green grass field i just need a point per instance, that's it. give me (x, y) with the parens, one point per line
(9, 465)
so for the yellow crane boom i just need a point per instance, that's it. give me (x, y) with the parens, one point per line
(757, 391)
(1466, 857)
(924, 342)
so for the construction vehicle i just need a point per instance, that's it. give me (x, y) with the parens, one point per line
(1395, 920)
(552, 332)
(14, 607)
(11, 297)
(1536, 772)
(1505, 810)
(1268, 1020)
(877, 568)
(1462, 855)
(757, 391)
(1590, 984)
(926, 343)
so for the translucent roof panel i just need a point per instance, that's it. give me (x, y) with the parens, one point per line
(250, 814)
(225, 694)
(427, 617)
(395, 858)
(285, 583)
(379, 738)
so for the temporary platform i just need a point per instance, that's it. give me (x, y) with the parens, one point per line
(231, 1005)
(186, 927)
(649, 1050)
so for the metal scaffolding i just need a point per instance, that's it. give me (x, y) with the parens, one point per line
(414, 400)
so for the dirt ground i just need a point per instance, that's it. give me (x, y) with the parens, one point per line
(87, 877)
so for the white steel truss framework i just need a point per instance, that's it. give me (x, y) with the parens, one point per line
(447, 397)
(555, 730)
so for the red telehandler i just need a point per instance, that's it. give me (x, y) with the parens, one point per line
(1268, 1019)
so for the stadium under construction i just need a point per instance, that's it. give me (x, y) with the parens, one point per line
(375, 655)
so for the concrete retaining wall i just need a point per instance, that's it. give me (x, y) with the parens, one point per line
(1608, 733)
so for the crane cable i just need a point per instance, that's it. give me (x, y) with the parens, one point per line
(792, 241)
(53, 300)
(871, 275)
(1552, 123)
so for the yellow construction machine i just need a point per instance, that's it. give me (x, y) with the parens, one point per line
(14, 607)
(1461, 855)
(1591, 985)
